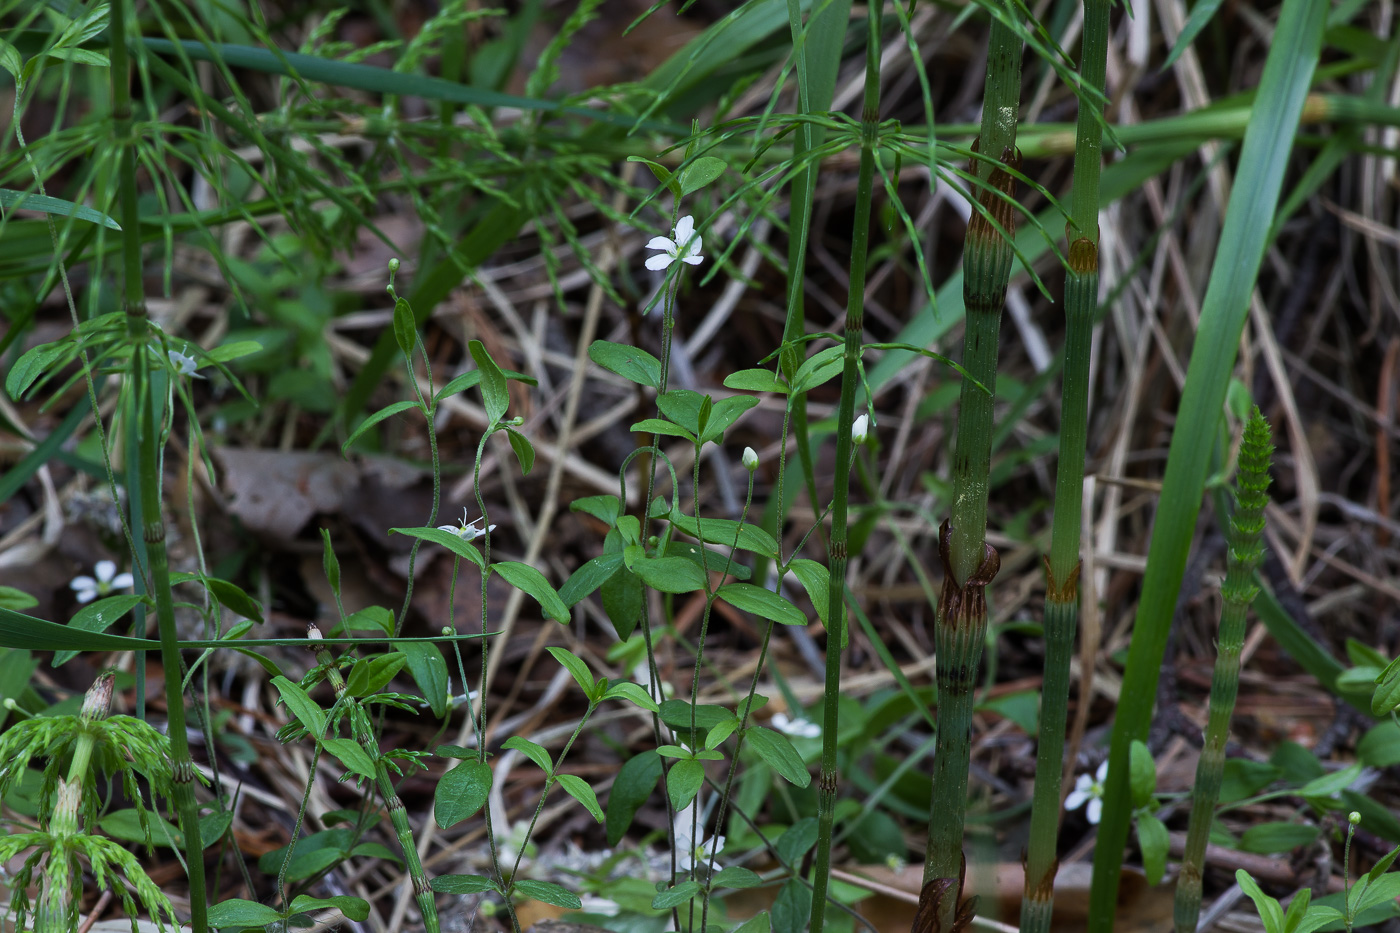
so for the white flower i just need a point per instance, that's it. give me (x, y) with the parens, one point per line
(107, 580)
(800, 727)
(685, 247)
(1089, 790)
(184, 364)
(687, 849)
(859, 427)
(467, 530)
(593, 904)
(750, 459)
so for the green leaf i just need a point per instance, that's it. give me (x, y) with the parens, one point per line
(630, 363)
(461, 792)
(726, 533)
(126, 825)
(1330, 784)
(736, 876)
(462, 884)
(664, 428)
(355, 758)
(662, 173)
(405, 328)
(816, 580)
(761, 602)
(1275, 838)
(547, 892)
(636, 780)
(755, 380)
(588, 577)
(1269, 910)
(97, 617)
(578, 788)
(238, 912)
(1142, 775)
(755, 924)
(429, 670)
(388, 411)
(636, 693)
(605, 508)
(1153, 838)
(581, 674)
(447, 539)
(371, 674)
(623, 597)
(524, 450)
(527, 578)
(494, 392)
(670, 574)
(777, 751)
(1383, 889)
(11, 598)
(792, 907)
(796, 840)
(818, 368)
(723, 415)
(354, 908)
(305, 709)
(674, 897)
(684, 781)
(532, 751)
(233, 350)
(1387, 694)
(472, 377)
(700, 173)
(330, 564)
(33, 201)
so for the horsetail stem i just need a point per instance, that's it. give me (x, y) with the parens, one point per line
(1062, 566)
(58, 901)
(969, 563)
(149, 460)
(364, 734)
(829, 776)
(1238, 592)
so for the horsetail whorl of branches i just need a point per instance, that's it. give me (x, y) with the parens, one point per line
(1238, 592)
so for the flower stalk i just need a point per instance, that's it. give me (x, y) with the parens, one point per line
(1062, 565)
(969, 563)
(838, 549)
(1238, 592)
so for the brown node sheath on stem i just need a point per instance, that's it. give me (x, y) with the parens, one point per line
(959, 605)
(932, 898)
(1083, 253)
(1066, 592)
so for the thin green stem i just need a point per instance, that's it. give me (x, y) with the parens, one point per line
(1062, 567)
(829, 777)
(364, 734)
(969, 563)
(1238, 592)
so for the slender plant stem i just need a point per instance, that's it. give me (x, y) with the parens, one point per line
(829, 777)
(1246, 526)
(1062, 566)
(969, 563)
(364, 734)
(148, 456)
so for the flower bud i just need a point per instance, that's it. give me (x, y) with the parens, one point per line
(394, 265)
(1354, 818)
(858, 430)
(750, 459)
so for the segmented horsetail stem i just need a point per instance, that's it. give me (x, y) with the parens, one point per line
(969, 562)
(1062, 565)
(1237, 593)
(398, 818)
(828, 778)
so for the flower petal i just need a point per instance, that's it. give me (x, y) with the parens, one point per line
(692, 260)
(685, 228)
(1076, 799)
(122, 580)
(106, 569)
(84, 583)
(661, 242)
(660, 261)
(1102, 774)
(1094, 811)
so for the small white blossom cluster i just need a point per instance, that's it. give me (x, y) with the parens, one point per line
(1089, 790)
(467, 530)
(798, 727)
(685, 247)
(688, 850)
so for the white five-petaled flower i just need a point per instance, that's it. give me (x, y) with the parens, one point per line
(107, 580)
(467, 530)
(1089, 790)
(798, 727)
(859, 428)
(685, 247)
(687, 849)
(750, 459)
(184, 363)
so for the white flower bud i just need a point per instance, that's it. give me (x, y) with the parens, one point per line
(394, 265)
(750, 459)
(858, 430)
